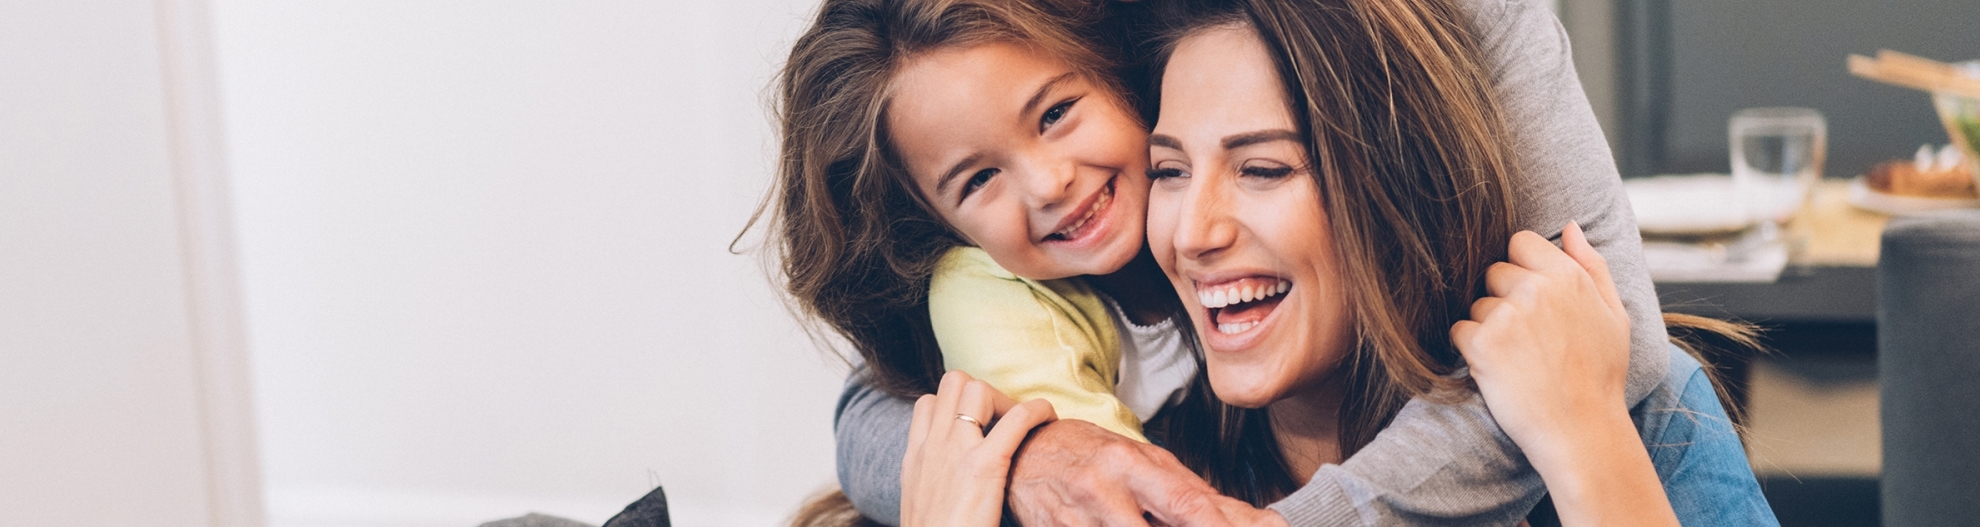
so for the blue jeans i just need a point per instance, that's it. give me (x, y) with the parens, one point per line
(1697, 454)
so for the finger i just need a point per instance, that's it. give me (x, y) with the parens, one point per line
(1000, 403)
(1484, 306)
(946, 398)
(1532, 251)
(974, 403)
(1180, 500)
(1502, 278)
(1462, 335)
(1010, 431)
(1575, 243)
(924, 408)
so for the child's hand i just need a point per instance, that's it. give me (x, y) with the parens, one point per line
(1549, 344)
(954, 474)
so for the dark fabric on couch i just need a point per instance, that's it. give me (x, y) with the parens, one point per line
(1928, 362)
(649, 511)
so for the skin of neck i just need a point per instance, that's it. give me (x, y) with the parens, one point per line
(1307, 425)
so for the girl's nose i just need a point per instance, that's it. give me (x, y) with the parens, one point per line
(1050, 184)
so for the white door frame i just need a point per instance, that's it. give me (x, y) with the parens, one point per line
(213, 291)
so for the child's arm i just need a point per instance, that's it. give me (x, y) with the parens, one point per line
(1053, 340)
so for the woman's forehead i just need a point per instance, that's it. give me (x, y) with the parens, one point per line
(1219, 78)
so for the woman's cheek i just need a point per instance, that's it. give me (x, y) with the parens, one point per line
(1161, 227)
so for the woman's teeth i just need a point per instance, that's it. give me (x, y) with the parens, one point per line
(1106, 196)
(1241, 291)
(1237, 292)
(1233, 329)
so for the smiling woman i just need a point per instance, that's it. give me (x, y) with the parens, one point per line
(1369, 233)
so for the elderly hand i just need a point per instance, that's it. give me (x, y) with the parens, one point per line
(1076, 474)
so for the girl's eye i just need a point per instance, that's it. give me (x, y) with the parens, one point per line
(977, 181)
(1265, 172)
(1054, 114)
(1156, 174)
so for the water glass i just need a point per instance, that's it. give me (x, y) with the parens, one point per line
(1777, 156)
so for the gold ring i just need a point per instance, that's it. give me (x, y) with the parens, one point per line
(970, 420)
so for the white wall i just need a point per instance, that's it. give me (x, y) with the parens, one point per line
(484, 250)
(121, 386)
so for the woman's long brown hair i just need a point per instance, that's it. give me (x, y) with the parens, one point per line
(1404, 140)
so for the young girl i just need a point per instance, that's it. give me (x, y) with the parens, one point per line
(978, 168)
(951, 170)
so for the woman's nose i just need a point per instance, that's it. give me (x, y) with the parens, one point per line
(1205, 227)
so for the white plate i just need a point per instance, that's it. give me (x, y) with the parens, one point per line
(1863, 197)
(1694, 204)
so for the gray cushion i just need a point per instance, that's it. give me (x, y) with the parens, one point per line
(1928, 360)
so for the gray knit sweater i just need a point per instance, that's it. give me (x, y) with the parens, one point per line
(1436, 464)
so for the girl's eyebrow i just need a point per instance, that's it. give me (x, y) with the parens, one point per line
(1039, 96)
(942, 184)
(1165, 142)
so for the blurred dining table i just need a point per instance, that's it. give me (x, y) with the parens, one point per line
(1825, 301)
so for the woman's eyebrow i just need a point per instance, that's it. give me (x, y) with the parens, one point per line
(1261, 136)
(1039, 96)
(1165, 142)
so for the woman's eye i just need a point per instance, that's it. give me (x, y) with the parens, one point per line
(1054, 114)
(1266, 172)
(1165, 173)
(977, 181)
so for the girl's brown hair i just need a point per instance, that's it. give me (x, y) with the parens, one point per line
(855, 240)
(1403, 140)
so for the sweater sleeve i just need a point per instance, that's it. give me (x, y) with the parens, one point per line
(1053, 340)
(1450, 464)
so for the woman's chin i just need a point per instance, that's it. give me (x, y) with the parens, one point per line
(1242, 390)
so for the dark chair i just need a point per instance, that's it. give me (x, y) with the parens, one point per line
(1928, 362)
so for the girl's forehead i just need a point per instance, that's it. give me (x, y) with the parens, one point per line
(966, 97)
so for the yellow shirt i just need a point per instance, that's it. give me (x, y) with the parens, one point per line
(1051, 339)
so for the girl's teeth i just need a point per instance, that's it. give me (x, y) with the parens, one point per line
(1106, 195)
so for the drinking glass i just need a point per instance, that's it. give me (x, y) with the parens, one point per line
(1777, 156)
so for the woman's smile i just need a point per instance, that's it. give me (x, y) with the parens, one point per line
(1236, 306)
(1235, 218)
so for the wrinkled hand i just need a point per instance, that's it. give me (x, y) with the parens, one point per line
(954, 473)
(1549, 344)
(1075, 474)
